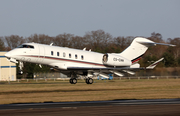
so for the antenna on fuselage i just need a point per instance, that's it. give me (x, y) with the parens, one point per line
(84, 49)
(51, 44)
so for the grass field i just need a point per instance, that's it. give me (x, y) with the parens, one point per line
(63, 91)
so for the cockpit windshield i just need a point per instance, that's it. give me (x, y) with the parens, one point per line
(26, 46)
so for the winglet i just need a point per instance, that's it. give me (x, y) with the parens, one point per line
(154, 64)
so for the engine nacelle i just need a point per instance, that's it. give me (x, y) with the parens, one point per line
(115, 60)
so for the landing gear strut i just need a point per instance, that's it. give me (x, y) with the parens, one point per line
(20, 68)
(74, 76)
(73, 79)
(89, 80)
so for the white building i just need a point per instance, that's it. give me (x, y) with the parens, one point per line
(7, 69)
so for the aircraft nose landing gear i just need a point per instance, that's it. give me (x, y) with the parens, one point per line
(20, 72)
(20, 67)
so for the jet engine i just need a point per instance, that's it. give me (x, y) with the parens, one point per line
(115, 60)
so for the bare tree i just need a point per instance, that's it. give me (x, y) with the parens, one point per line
(63, 40)
(156, 37)
(157, 50)
(41, 38)
(123, 42)
(98, 40)
(2, 47)
(13, 41)
(78, 42)
(175, 50)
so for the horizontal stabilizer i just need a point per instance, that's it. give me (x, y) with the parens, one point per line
(154, 44)
(165, 44)
(154, 64)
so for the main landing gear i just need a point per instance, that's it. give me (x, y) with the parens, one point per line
(87, 80)
(74, 76)
(73, 80)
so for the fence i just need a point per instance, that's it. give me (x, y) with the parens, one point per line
(115, 78)
(149, 77)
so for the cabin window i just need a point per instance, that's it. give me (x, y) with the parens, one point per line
(64, 54)
(69, 55)
(57, 53)
(52, 53)
(82, 57)
(76, 56)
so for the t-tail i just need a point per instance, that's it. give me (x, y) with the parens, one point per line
(137, 49)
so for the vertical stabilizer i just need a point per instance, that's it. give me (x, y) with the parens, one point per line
(137, 49)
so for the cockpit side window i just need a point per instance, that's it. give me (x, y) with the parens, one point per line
(26, 46)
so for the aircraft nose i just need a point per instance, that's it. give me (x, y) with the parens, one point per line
(8, 55)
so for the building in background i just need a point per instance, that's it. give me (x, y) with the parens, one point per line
(7, 69)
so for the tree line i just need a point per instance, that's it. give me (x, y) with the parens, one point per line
(103, 42)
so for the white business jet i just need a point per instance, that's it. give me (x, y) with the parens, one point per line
(75, 62)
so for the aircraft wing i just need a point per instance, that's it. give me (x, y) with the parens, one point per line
(154, 64)
(88, 68)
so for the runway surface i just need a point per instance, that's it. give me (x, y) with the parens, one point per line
(96, 108)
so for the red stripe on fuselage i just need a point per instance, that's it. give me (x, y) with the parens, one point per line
(61, 59)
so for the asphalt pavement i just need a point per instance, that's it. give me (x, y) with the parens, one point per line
(149, 107)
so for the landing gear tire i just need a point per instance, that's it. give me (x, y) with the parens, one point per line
(20, 72)
(70, 81)
(89, 80)
(73, 80)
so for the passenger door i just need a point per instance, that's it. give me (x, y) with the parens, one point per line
(41, 54)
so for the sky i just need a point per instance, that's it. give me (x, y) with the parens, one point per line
(117, 17)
